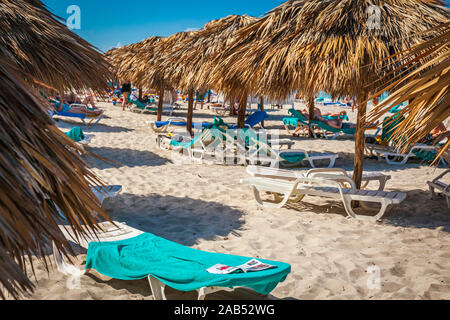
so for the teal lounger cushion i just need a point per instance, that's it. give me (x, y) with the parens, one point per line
(292, 157)
(290, 122)
(177, 266)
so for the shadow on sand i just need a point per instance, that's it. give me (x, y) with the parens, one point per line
(407, 214)
(124, 158)
(182, 220)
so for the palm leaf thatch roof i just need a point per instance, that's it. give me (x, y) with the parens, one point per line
(190, 60)
(130, 63)
(39, 168)
(42, 47)
(337, 46)
(321, 45)
(159, 67)
(425, 86)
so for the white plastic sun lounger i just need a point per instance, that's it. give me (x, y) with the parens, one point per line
(221, 111)
(264, 153)
(441, 186)
(390, 155)
(94, 119)
(113, 232)
(169, 128)
(292, 175)
(324, 185)
(85, 142)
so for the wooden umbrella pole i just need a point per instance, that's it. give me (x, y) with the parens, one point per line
(242, 111)
(311, 106)
(140, 94)
(360, 137)
(232, 104)
(261, 104)
(160, 103)
(190, 110)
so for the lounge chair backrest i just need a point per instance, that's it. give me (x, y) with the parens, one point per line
(256, 118)
(389, 126)
(298, 115)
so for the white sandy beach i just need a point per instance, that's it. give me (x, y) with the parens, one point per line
(205, 207)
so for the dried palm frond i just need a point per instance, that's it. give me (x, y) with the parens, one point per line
(425, 86)
(43, 48)
(39, 168)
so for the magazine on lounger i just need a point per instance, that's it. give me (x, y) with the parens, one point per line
(251, 266)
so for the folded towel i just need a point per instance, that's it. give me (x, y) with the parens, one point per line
(76, 134)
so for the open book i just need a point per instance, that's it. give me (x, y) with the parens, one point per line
(251, 266)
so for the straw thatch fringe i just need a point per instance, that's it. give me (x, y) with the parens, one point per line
(39, 168)
(425, 86)
(42, 47)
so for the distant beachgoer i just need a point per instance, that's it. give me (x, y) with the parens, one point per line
(200, 96)
(72, 98)
(126, 91)
(438, 134)
(174, 96)
(62, 107)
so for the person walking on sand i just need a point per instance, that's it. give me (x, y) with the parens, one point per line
(126, 91)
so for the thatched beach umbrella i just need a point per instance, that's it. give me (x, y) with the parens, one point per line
(130, 63)
(42, 47)
(425, 87)
(336, 46)
(189, 58)
(39, 165)
(39, 168)
(161, 73)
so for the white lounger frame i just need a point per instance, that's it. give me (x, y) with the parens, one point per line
(94, 120)
(276, 160)
(388, 154)
(442, 187)
(292, 175)
(323, 185)
(169, 128)
(167, 109)
(119, 232)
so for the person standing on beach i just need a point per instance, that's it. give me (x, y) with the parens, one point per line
(200, 97)
(126, 91)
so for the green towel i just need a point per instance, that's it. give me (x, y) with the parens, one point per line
(76, 134)
(426, 155)
(293, 157)
(179, 267)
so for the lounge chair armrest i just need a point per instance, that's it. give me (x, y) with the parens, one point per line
(313, 172)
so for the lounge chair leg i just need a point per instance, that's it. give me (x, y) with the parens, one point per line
(63, 266)
(385, 207)
(157, 288)
(266, 204)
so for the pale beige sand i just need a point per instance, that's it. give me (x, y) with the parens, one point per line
(205, 207)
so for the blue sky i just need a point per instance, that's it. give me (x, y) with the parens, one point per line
(108, 23)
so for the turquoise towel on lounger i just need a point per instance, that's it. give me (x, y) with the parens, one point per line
(76, 134)
(177, 266)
